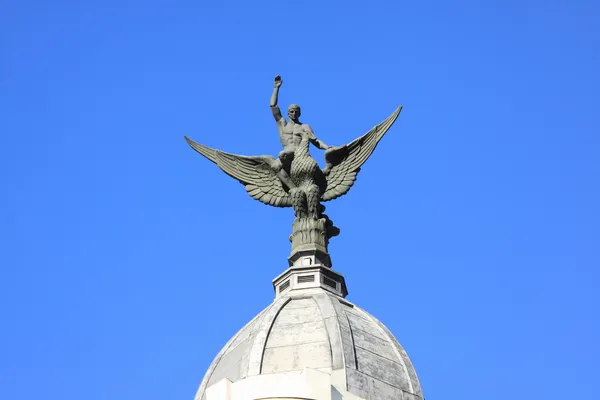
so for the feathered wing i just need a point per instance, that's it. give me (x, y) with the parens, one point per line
(348, 159)
(255, 173)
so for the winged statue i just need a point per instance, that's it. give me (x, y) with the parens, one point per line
(294, 179)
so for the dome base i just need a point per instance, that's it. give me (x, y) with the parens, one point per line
(303, 277)
(313, 329)
(308, 384)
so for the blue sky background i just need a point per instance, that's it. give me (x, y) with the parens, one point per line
(473, 232)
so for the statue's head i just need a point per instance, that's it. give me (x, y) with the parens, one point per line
(294, 112)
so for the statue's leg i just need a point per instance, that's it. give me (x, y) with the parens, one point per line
(284, 177)
(286, 156)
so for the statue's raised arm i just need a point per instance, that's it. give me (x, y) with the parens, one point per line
(274, 99)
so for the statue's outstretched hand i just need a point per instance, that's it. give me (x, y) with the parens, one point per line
(334, 155)
(333, 149)
(278, 81)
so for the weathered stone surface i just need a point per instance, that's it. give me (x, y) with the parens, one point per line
(300, 303)
(382, 391)
(296, 357)
(325, 304)
(404, 359)
(286, 335)
(410, 396)
(229, 367)
(298, 316)
(242, 336)
(263, 327)
(381, 368)
(316, 330)
(373, 344)
(347, 347)
(364, 325)
(350, 309)
(335, 341)
(357, 383)
(248, 327)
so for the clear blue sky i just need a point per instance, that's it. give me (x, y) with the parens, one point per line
(473, 232)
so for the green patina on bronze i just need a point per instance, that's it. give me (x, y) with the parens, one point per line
(294, 179)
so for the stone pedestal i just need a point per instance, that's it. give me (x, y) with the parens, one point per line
(310, 238)
(309, 255)
(309, 231)
(302, 277)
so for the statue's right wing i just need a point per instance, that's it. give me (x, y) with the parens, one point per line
(255, 173)
(347, 160)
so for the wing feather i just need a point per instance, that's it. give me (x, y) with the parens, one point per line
(254, 172)
(348, 160)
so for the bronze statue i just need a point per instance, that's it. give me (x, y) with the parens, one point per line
(295, 179)
(290, 135)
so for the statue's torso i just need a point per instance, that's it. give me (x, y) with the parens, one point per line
(291, 135)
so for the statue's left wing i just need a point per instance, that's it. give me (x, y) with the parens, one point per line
(254, 172)
(347, 160)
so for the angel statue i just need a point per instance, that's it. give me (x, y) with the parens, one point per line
(294, 179)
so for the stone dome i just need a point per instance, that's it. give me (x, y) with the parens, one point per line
(318, 329)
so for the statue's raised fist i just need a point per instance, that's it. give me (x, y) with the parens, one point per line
(278, 81)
